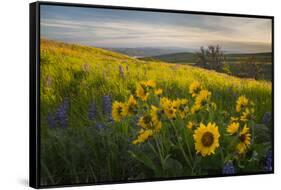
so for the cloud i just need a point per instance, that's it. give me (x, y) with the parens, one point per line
(118, 28)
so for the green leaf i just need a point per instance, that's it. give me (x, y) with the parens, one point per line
(262, 133)
(173, 166)
(146, 161)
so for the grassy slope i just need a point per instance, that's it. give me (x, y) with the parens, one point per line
(187, 57)
(184, 57)
(92, 72)
(84, 74)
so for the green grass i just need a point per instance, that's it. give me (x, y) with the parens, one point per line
(84, 153)
(189, 58)
(237, 63)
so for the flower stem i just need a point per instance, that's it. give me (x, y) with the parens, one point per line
(180, 145)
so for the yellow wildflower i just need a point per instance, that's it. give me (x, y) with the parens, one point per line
(117, 111)
(143, 136)
(145, 122)
(194, 88)
(195, 108)
(158, 91)
(244, 140)
(233, 128)
(182, 108)
(247, 114)
(149, 122)
(234, 119)
(125, 110)
(141, 93)
(168, 108)
(241, 103)
(190, 125)
(156, 115)
(203, 97)
(149, 83)
(132, 104)
(206, 139)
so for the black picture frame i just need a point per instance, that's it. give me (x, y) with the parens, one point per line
(34, 89)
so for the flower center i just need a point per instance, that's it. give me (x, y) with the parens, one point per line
(242, 137)
(207, 139)
(147, 119)
(119, 110)
(171, 111)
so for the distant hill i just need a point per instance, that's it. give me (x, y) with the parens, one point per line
(185, 57)
(188, 57)
(260, 57)
(140, 52)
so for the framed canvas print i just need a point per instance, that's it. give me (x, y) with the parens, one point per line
(120, 94)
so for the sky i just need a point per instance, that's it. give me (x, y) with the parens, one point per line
(113, 28)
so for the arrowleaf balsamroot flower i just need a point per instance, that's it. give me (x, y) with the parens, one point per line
(247, 114)
(143, 136)
(241, 103)
(118, 109)
(182, 107)
(141, 92)
(131, 105)
(233, 128)
(201, 99)
(168, 107)
(158, 92)
(234, 119)
(149, 83)
(194, 88)
(156, 115)
(146, 122)
(190, 125)
(244, 140)
(206, 139)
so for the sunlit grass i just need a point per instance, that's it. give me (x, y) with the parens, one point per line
(83, 75)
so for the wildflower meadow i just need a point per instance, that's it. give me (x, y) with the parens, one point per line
(108, 117)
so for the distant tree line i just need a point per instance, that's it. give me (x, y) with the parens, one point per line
(213, 58)
(210, 58)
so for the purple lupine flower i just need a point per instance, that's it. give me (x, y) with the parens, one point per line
(100, 126)
(228, 169)
(61, 115)
(48, 81)
(106, 105)
(51, 121)
(266, 118)
(92, 111)
(231, 92)
(104, 74)
(268, 162)
(86, 67)
(121, 71)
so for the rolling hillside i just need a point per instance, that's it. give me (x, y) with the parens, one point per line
(237, 64)
(185, 57)
(190, 58)
(68, 70)
(81, 143)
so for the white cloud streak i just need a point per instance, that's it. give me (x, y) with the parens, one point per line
(124, 33)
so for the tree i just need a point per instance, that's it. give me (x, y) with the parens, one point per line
(254, 68)
(210, 58)
(201, 58)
